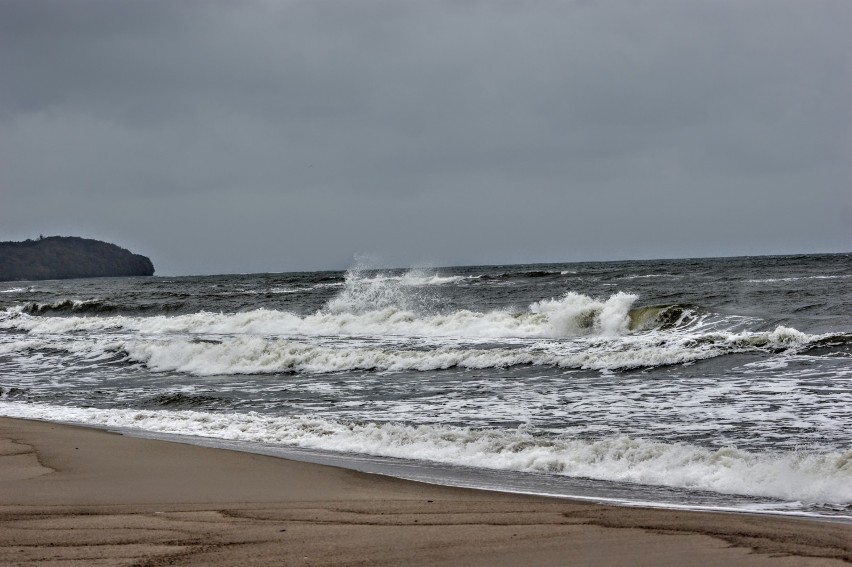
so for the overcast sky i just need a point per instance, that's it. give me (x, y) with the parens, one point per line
(220, 137)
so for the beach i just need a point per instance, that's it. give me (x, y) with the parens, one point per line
(73, 495)
(714, 383)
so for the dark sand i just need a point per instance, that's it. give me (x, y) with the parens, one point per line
(77, 496)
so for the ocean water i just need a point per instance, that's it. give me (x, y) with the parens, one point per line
(722, 383)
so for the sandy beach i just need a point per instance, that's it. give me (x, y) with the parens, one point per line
(72, 495)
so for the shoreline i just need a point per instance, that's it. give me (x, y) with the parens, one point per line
(80, 494)
(457, 476)
(497, 480)
(204, 430)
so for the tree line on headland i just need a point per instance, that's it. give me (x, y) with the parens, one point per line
(65, 257)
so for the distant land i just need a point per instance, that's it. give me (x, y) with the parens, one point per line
(65, 257)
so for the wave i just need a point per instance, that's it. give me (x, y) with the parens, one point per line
(416, 278)
(649, 276)
(802, 476)
(12, 392)
(573, 315)
(413, 277)
(280, 289)
(362, 292)
(664, 317)
(351, 314)
(262, 356)
(230, 355)
(90, 307)
(377, 323)
(381, 304)
(795, 279)
(180, 400)
(528, 274)
(69, 305)
(18, 290)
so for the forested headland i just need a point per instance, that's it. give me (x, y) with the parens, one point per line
(65, 257)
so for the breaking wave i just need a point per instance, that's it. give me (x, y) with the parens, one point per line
(254, 355)
(795, 279)
(67, 306)
(524, 275)
(269, 355)
(571, 316)
(664, 317)
(18, 290)
(803, 476)
(93, 307)
(381, 323)
(375, 310)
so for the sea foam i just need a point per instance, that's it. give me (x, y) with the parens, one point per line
(376, 310)
(810, 477)
(213, 354)
(406, 331)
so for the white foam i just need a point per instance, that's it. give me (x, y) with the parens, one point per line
(251, 354)
(371, 310)
(74, 304)
(280, 289)
(811, 477)
(648, 276)
(795, 279)
(576, 314)
(269, 341)
(416, 278)
(392, 315)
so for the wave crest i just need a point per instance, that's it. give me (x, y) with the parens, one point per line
(268, 355)
(577, 314)
(364, 309)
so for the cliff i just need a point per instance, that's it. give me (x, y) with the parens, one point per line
(64, 257)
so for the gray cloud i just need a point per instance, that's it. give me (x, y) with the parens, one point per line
(221, 136)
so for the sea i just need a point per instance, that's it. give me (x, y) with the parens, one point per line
(722, 383)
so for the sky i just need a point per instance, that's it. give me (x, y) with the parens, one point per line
(266, 136)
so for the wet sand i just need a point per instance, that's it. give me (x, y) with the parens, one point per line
(78, 496)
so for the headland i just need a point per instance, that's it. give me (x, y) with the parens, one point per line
(67, 257)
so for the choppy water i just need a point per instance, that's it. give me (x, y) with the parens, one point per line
(723, 382)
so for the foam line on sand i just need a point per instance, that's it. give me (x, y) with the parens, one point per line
(73, 495)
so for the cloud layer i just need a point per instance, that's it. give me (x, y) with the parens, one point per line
(270, 136)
